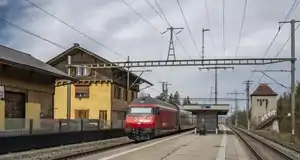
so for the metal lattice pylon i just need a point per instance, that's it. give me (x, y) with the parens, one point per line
(171, 50)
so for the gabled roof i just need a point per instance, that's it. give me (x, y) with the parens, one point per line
(264, 90)
(76, 46)
(12, 57)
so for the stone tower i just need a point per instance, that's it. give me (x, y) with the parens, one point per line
(263, 104)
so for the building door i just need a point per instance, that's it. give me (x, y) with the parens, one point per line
(81, 114)
(14, 110)
(103, 115)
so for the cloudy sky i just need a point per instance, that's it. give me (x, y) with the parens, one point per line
(113, 23)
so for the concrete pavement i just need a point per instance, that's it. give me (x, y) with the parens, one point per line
(186, 146)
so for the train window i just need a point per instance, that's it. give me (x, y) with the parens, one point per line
(140, 110)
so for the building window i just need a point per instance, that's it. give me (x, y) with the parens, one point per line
(82, 91)
(117, 92)
(82, 71)
(81, 114)
(103, 115)
(125, 97)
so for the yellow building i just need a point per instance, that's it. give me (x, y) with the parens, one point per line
(26, 89)
(99, 94)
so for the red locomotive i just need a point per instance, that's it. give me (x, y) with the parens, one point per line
(148, 117)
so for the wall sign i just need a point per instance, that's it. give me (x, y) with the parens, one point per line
(1, 92)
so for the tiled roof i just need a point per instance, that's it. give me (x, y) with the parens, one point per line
(264, 90)
(25, 61)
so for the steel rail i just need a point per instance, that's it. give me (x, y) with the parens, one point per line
(241, 134)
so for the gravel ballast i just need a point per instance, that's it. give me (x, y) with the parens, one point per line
(58, 152)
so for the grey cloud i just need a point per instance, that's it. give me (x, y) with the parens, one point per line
(260, 26)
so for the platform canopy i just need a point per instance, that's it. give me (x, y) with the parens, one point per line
(221, 109)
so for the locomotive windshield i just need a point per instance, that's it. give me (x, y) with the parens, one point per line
(140, 110)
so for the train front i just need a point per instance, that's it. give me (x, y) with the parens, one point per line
(140, 123)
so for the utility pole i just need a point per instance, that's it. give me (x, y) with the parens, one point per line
(216, 78)
(128, 79)
(235, 93)
(211, 92)
(165, 88)
(171, 50)
(203, 31)
(248, 82)
(69, 90)
(293, 75)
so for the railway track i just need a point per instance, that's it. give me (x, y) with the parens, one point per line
(264, 149)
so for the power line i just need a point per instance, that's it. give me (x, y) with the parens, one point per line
(137, 13)
(281, 49)
(293, 7)
(188, 27)
(147, 1)
(33, 34)
(162, 13)
(241, 29)
(208, 20)
(75, 29)
(223, 26)
(180, 43)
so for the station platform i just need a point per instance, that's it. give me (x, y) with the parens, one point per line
(187, 146)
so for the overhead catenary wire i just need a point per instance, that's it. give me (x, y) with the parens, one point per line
(188, 27)
(281, 25)
(33, 34)
(281, 49)
(75, 29)
(293, 7)
(275, 80)
(241, 29)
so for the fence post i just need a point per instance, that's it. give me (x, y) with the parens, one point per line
(98, 124)
(81, 124)
(30, 126)
(59, 125)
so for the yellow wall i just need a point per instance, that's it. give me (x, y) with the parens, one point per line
(37, 88)
(2, 115)
(32, 111)
(60, 102)
(99, 99)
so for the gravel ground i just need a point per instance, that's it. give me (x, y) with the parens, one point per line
(56, 152)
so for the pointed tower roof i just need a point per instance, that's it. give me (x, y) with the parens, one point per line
(264, 90)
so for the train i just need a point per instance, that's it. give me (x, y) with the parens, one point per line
(148, 118)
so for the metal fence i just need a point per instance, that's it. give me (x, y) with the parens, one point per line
(17, 127)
